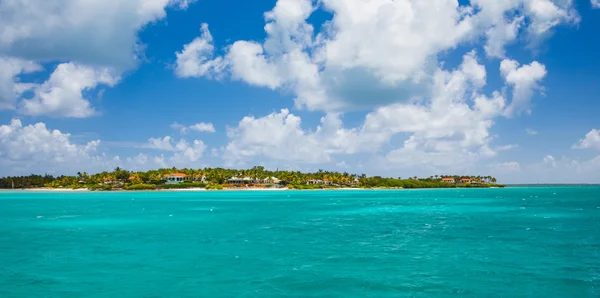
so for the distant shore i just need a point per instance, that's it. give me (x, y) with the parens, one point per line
(69, 190)
(198, 189)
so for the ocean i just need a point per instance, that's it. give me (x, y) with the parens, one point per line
(513, 242)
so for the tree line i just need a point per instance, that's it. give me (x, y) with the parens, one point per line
(219, 176)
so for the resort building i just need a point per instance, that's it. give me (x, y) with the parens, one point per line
(448, 180)
(175, 178)
(314, 181)
(466, 180)
(200, 178)
(237, 180)
(272, 180)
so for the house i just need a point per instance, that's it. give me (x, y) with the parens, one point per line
(466, 180)
(237, 180)
(272, 180)
(314, 181)
(200, 178)
(175, 178)
(448, 180)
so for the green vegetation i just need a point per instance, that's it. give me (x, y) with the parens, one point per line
(214, 186)
(140, 187)
(217, 178)
(183, 185)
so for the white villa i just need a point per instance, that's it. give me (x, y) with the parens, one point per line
(175, 178)
(200, 178)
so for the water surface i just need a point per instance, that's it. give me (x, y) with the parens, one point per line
(513, 242)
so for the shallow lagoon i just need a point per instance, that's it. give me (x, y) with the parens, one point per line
(513, 242)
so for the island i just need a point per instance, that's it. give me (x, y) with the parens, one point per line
(231, 179)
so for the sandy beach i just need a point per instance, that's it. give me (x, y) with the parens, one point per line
(196, 189)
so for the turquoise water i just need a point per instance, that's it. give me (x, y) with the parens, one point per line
(514, 242)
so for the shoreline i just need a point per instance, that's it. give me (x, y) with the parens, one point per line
(195, 189)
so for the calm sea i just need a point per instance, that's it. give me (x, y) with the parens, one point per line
(513, 242)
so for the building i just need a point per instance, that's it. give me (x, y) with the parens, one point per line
(448, 180)
(175, 178)
(200, 178)
(237, 180)
(466, 180)
(272, 180)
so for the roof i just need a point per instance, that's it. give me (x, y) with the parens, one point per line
(447, 178)
(466, 179)
(174, 174)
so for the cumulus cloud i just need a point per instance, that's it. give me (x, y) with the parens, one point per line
(97, 32)
(595, 3)
(280, 137)
(359, 59)
(193, 60)
(10, 86)
(549, 159)
(590, 141)
(182, 150)
(34, 148)
(199, 127)
(524, 80)
(96, 41)
(449, 129)
(62, 94)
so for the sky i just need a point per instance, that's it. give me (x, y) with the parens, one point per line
(395, 88)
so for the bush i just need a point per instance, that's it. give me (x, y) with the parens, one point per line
(214, 186)
(140, 187)
(183, 185)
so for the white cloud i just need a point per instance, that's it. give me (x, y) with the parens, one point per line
(193, 60)
(595, 3)
(182, 151)
(277, 136)
(549, 159)
(10, 86)
(62, 94)
(95, 40)
(500, 35)
(91, 32)
(280, 137)
(27, 149)
(524, 81)
(590, 141)
(200, 127)
(36, 149)
(530, 131)
(563, 170)
(450, 129)
(359, 59)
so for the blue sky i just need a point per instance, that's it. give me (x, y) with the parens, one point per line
(504, 88)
